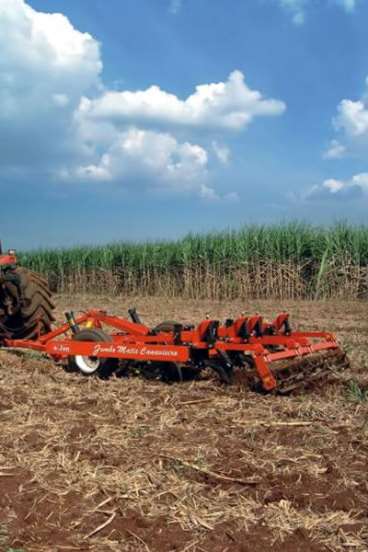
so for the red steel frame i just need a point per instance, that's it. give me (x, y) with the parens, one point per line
(6, 260)
(136, 342)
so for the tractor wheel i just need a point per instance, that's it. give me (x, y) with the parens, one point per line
(26, 307)
(88, 365)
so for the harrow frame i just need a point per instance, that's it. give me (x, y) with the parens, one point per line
(248, 340)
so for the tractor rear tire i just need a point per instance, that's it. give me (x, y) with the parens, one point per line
(32, 307)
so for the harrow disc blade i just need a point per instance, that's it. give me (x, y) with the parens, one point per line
(296, 374)
(306, 371)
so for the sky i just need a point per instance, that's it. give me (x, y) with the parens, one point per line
(150, 119)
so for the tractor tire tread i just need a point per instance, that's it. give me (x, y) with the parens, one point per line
(34, 315)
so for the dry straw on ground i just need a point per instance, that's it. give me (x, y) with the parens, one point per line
(135, 465)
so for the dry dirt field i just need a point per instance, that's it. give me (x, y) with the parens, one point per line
(144, 466)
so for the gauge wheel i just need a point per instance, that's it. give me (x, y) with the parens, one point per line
(90, 365)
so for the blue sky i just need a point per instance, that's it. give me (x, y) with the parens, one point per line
(142, 119)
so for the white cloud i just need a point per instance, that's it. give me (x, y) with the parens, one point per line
(222, 152)
(156, 160)
(344, 190)
(45, 67)
(228, 105)
(333, 186)
(46, 49)
(352, 117)
(335, 150)
(361, 180)
(351, 125)
(57, 119)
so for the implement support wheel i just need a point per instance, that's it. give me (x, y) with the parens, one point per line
(88, 365)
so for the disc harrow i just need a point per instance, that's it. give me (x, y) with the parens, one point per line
(267, 356)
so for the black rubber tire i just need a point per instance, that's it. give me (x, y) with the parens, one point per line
(106, 366)
(166, 326)
(33, 306)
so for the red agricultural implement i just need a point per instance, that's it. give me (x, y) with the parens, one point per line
(263, 355)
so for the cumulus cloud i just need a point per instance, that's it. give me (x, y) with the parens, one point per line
(157, 159)
(57, 118)
(43, 57)
(222, 152)
(343, 190)
(230, 105)
(335, 150)
(351, 126)
(352, 117)
(45, 67)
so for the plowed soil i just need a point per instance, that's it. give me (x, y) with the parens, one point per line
(129, 464)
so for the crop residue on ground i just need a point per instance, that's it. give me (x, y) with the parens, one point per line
(136, 465)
